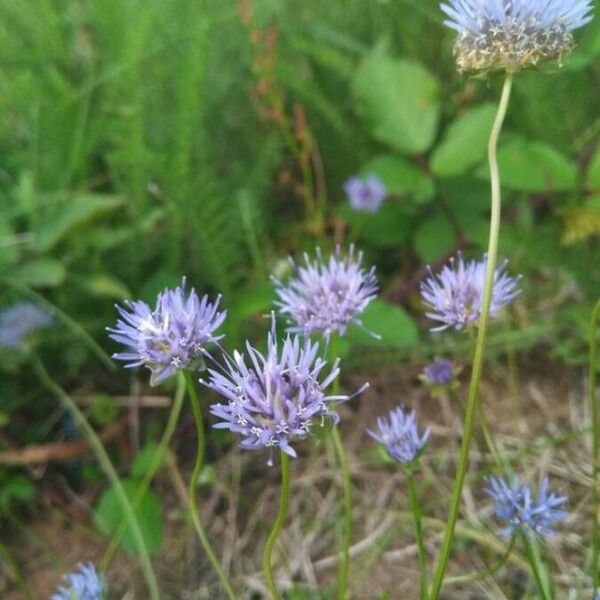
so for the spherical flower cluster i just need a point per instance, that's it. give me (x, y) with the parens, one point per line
(365, 194)
(399, 434)
(438, 372)
(171, 337)
(83, 584)
(513, 34)
(326, 297)
(274, 400)
(455, 295)
(514, 504)
(19, 321)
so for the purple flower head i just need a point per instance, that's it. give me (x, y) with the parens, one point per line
(514, 504)
(83, 584)
(438, 372)
(275, 399)
(325, 297)
(399, 434)
(513, 34)
(455, 295)
(365, 194)
(171, 337)
(19, 321)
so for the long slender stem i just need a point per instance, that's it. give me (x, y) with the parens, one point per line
(492, 255)
(416, 510)
(277, 526)
(200, 449)
(534, 558)
(593, 366)
(344, 568)
(7, 557)
(106, 465)
(153, 467)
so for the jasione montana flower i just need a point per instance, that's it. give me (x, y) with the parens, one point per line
(170, 337)
(365, 194)
(513, 34)
(327, 296)
(20, 321)
(83, 584)
(454, 296)
(276, 399)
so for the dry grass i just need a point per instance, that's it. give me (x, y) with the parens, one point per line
(540, 429)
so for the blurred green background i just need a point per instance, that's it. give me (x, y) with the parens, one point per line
(143, 140)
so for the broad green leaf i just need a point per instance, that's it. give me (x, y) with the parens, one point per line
(391, 322)
(464, 143)
(592, 179)
(398, 100)
(434, 237)
(534, 167)
(144, 459)
(67, 212)
(389, 226)
(400, 177)
(41, 272)
(108, 516)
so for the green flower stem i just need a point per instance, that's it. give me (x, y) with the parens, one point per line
(416, 510)
(593, 366)
(537, 567)
(200, 447)
(344, 568)
(153, 467)
(7, 557)
(277, 526)
(489, 572)
(106, 465)
(492, 255)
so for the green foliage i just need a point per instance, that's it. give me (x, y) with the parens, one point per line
(15, 489)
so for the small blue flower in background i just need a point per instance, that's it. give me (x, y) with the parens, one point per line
(19, 321)
(455, 295)
(513, 34)
(326, 297)
(365, 194)
(171, 337)
(399, 434)
(275, 399)
(514, 504)
(83, 584)
(438, 372)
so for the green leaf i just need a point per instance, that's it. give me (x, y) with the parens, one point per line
(108, 515)
(434, 237)
(465, 141)
(41, 272)
(534, 167)
(143, 461)
(105, 285)
(67, 212)
(15, 487)
(391, 322)
(592, 179)
(400, 177)
(398, 100)
(389, 226)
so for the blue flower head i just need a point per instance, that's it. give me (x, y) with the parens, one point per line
(455, 295)
(440, 372)
(170, 337)
(325, 297)
(20, 321)
(515, 505)
(83, 584)
(276, 399)
(513, 34)
(399, 434)
(365, 194)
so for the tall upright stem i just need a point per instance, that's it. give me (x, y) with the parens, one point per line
(153, 467)
(200, 449)
(416, 510)
(593, 366)
(106, 465)
(277, 526)
(492, 255)
(344, 568)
